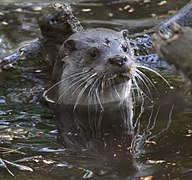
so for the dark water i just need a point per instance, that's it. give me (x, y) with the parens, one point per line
(162, 144)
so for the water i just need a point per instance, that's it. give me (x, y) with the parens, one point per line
(163, 143)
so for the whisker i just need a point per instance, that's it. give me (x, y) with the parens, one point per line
(90, 93)
(86, 85)
(103, 83)
(98, 98)
(138, 89)
(145, 78)
(71, 84)
(155, 72)
(88, 82)
(50, 88)
(143, 81)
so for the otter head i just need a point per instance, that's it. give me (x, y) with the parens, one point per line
(94, 67)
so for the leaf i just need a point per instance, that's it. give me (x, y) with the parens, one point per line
(147, 178)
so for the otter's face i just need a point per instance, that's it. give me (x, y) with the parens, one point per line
(99, 50)
(97, 66)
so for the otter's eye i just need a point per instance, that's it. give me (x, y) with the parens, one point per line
(94, 52)
(124, 47)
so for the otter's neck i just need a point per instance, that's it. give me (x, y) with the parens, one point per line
(78, 95)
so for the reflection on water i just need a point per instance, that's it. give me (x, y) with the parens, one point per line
(161, 144)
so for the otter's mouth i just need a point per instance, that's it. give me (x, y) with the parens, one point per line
(125, 76)
(119, 78)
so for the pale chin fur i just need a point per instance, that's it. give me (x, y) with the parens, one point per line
(109, 95)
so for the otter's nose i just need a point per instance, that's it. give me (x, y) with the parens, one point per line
(118, 60)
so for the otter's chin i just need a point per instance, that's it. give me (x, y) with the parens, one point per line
(121, 78)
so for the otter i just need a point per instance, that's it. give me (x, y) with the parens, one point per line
(94, 56)
(91, 87)
(91, 94)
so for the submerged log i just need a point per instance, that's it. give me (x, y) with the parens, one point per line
(176, 49)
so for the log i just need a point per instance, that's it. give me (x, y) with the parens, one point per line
(57, 22)
(172, 42)
(176, 49)
(183, 18)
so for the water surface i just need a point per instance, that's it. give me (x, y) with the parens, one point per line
(163, 142)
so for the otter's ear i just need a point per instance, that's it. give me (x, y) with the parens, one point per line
(67, 48)
(70, 45)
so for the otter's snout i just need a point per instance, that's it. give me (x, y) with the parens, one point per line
(118, 60)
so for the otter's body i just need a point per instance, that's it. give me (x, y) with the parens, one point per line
(91, 86)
